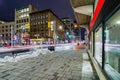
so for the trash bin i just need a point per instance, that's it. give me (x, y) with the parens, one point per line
(51, 48)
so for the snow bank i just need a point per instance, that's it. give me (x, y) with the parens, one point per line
(21, 56)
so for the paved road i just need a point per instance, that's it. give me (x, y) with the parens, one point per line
(64, 65)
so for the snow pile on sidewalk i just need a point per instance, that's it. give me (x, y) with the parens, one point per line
(21, 56)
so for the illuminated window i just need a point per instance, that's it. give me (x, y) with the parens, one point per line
(27, 15)
(46, 15)
(43, 16)
(27, 9)
(38, 22)
(43, 22)
(46, 22)
(22, 10)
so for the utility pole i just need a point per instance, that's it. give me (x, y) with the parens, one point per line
(54, 34)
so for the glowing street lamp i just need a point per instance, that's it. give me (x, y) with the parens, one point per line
(67, 33)
(60, 27)
(75, 26)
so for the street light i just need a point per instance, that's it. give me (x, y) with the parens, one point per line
(67, 33)
(60, 27)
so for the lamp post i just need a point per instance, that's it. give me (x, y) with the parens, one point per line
(60, 37)
(21, 34)
(0, 39)
(12, 33)
(54, 28)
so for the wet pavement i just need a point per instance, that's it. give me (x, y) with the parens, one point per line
(60, 65)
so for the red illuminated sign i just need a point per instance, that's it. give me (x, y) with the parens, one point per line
(97, 10)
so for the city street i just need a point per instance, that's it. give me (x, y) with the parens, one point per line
(59, 65)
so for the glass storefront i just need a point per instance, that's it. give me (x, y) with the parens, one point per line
(98, 44)
(112, 46)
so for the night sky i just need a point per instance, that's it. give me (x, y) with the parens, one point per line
(61, 8)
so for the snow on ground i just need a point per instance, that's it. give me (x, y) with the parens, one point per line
(34, 53)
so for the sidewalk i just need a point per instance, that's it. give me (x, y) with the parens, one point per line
(64, 65)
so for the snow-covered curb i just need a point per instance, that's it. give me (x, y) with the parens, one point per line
(25, 55)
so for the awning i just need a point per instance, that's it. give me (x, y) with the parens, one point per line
(83, 10)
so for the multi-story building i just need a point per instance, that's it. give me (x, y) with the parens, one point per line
(68, 27)
(6, 29)
(22, 20)
(45, 24)
(69, 23)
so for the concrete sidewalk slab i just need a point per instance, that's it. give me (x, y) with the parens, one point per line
(61, 65)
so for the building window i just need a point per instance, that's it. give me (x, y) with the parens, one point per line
(17, 21)
(31, 19)
(24, 20)
(43, 22)
(6, 35)
(43, 16)
(46, 22)
(24, 10)
(27, 9)
(112, 45)
(3, 35)
(98, 44)
(34, 29)
(38, 17)
(27, 20)
(46, 28)
(46, 15)
(27, 15)
(34, 23)
(17, 30)
(6, 26)
(38, 23)
(17, 26)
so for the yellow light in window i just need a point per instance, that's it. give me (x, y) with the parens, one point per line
(49, 24)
